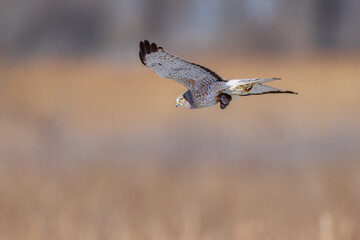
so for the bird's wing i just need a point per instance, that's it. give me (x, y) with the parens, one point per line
(253, 86)
(191, 75)
(259, 89)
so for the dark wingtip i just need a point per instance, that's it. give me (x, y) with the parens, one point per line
(153, 47)
(147, 47)
(141, 58)
(142, 48)
(291, 92)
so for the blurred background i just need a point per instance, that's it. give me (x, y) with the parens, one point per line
(93, 147)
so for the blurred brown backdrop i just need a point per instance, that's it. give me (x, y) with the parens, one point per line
(92, 146)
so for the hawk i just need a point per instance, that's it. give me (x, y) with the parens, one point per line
(205, 87)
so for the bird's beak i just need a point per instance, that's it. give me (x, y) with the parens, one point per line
(177, 104)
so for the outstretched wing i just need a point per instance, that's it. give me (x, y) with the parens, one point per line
(259, 89)
(191, 75)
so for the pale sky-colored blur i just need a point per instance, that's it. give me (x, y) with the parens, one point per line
(114, 27)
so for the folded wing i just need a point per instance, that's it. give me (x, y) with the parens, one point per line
(191, 75)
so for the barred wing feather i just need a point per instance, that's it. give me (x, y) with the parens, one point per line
(191, 75)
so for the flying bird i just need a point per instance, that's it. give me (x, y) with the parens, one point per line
(205, 87)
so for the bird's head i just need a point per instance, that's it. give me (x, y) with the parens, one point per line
(182, 102)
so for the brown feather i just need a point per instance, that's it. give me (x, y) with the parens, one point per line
(142, 48)
(153, 47)
(147, 47)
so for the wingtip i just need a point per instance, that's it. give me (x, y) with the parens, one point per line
(153, 47)
(142, 58)
(149, 47)
(146, 48)
(142, 48)
(291, 92)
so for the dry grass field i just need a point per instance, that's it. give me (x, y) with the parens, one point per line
(107, 200)
(95, 149)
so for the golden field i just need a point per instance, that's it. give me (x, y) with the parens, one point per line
(94, 149)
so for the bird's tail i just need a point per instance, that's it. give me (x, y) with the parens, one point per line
(245, 87)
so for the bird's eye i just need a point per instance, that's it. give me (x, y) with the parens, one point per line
(182, 99)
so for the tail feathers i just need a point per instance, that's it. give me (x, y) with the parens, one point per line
(259, 89)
